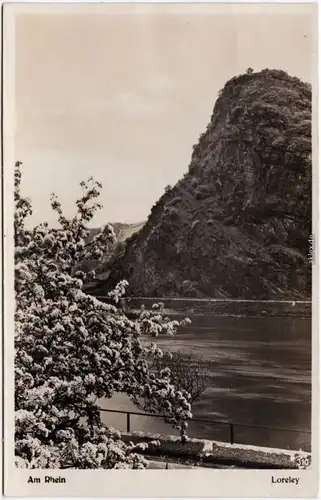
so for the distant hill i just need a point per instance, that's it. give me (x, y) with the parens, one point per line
(122, 232)
(237, 224)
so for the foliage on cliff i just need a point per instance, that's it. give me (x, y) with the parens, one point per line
(237, 225)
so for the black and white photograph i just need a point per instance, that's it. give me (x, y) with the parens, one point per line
(159, 244)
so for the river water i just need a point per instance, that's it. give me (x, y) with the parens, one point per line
(260, 376)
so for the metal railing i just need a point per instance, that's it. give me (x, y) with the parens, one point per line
(231, 425)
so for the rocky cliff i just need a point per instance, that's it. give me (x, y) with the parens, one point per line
(237, 225)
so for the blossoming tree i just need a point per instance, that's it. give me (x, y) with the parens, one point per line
(71, 349)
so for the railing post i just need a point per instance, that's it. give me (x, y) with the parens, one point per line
(231, 433)
(128, 422)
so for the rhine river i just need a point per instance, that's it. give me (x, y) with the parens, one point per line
(260, 370)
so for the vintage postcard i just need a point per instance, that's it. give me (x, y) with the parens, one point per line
(159, 227)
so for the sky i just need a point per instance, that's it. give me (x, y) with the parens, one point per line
(124, 96)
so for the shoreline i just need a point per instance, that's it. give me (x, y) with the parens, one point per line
(221, 307)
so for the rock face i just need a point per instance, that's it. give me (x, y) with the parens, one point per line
(237, 225)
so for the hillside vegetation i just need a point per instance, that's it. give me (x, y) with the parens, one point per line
(237, 224)
(122, 232)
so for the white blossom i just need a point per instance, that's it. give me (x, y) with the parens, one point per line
(71, 349)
